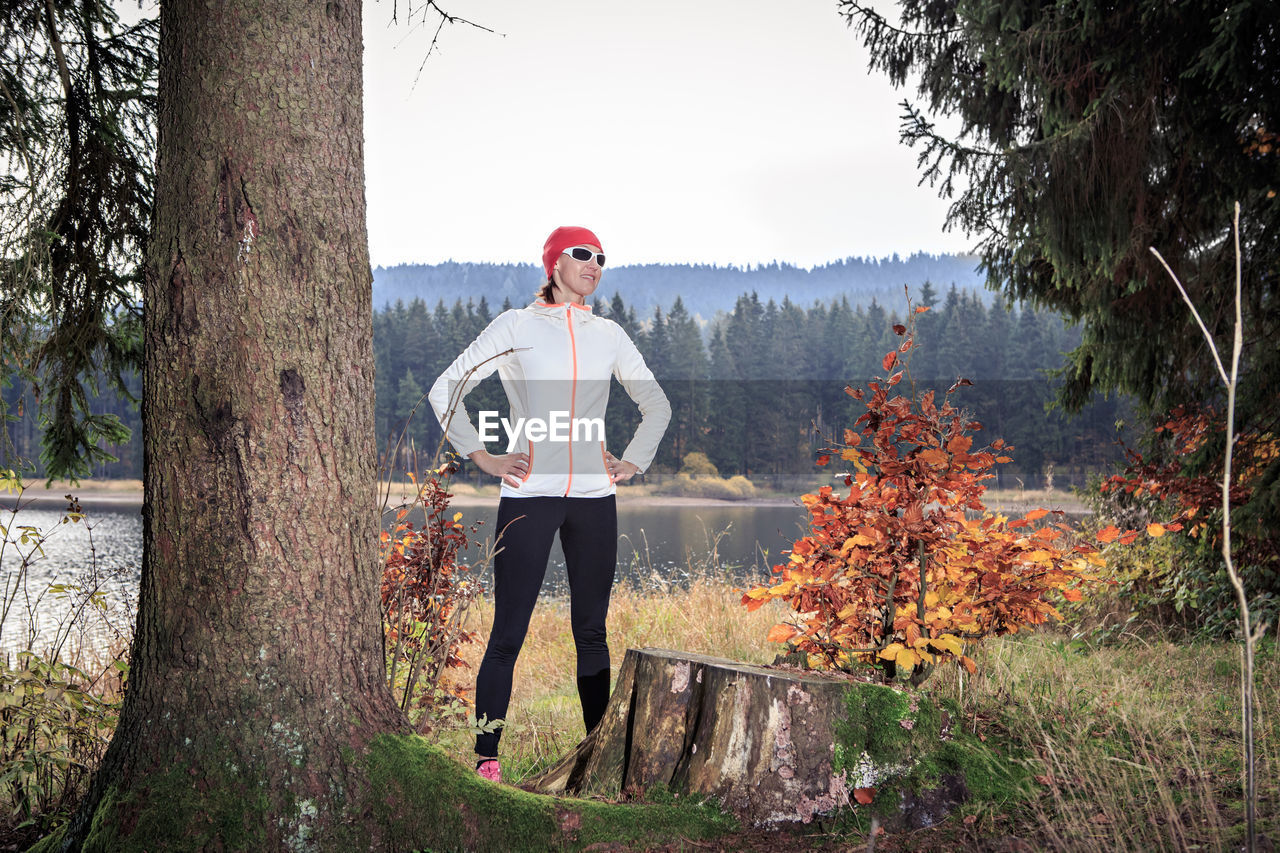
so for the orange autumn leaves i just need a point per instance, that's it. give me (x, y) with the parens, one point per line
(896, 573)
(1196, 498)
(424, 593)
(1155, 529)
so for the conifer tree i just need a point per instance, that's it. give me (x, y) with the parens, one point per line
(77, 136)
(926, 359)
(622, 416)
(1093, 131)
(728, 409)
(685, 382)
(411, 414)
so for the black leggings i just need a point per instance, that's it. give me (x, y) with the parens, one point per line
(589, 536)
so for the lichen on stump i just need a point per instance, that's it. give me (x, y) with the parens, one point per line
(772, 745)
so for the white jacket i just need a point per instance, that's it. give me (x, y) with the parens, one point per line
(555, 362)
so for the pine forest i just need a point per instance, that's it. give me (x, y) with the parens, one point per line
(758, 388)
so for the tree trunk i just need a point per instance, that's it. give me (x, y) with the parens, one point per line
(256, 671)
(772, 745)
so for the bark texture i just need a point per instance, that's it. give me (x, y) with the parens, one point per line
(772, 745)
(256, 674)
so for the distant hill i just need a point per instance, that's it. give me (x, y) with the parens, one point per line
(704, 288)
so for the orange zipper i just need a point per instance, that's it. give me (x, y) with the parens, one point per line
(573, 389)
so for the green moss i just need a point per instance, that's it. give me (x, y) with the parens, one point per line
(423, 799)
(993, 781)
(49, 844)
(194, 805)
(178, 812)
(696, 819)
(894, 728)
(417, 798)
(891, 727)
(1226, 668)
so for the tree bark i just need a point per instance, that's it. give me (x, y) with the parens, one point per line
(772, 745)
(256, 672)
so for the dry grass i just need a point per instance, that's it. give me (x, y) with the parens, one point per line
(88, 484)
(1021, 500)
(1136, 745)
(545, 720)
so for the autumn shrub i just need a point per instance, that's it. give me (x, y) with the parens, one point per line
(697, 464)
(698, 477)
(1174, 483)
(735, 488)
(426, 593)
(904, 569)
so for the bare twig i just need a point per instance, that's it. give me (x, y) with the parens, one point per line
(1249, 639)
(1194, 313)
(455, 400)
(445, 18)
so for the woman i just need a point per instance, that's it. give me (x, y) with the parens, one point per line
(555, 359)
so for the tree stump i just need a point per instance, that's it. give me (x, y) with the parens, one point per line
(772, 745)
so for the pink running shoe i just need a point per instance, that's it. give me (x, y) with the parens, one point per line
(489, 769)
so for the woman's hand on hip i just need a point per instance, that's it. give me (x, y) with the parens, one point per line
(620, 470)
(511, 468)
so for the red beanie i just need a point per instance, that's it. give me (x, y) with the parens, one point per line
(565, 237)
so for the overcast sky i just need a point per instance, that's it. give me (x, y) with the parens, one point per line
(714, 131)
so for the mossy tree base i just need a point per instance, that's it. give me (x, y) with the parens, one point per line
(772, 745)
(422, 799)
(417, 798)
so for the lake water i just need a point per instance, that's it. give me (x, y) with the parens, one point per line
(670, 544)
(97, 562)
(657, 545)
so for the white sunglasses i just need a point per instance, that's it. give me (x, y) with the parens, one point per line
(583, 253)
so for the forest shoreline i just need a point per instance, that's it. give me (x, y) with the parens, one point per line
(123, 494)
